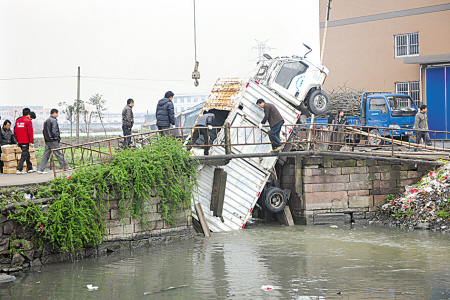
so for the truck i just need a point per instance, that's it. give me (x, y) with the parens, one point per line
(291, 84)
(383, 109)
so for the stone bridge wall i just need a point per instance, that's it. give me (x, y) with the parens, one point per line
(329, 190)
(119, 234)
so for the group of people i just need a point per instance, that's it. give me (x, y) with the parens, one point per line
(23, 136)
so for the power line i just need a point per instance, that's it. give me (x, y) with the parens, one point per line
(40, 77)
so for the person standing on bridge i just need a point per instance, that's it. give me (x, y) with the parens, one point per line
(165, 113)
(6, 137)
(205, 120)
(127, 123)
(421, 123)
(52, 138)
(23, 130)
(275, 119)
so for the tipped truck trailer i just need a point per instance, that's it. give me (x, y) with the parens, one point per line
(233, 100)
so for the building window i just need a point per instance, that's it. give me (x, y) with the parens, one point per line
(411, 88)
(406, 44)
(182, 100)
(174, 100)
(189, 100)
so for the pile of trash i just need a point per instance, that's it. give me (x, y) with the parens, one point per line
(425, 205)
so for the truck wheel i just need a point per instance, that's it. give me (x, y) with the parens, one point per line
(275, 200)
(374, 140)
(318, 102)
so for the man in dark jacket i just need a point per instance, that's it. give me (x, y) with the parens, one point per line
(205, 121)
(165, 115)
(127, 122)
(23, 130)
(52, 138)
(275, 119)
(7, 136)
(421, 123)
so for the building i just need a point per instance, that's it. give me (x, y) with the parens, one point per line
(185, 101)
(385, 45)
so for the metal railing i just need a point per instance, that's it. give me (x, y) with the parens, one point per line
(315, 137)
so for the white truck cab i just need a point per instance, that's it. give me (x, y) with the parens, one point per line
(296, 80)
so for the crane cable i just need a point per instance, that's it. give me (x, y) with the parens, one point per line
(196, 73)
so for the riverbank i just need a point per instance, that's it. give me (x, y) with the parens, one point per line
(425, 205)
(138, 198)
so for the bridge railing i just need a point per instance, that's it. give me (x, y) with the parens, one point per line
(317, 137)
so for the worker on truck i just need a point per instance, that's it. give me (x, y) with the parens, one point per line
(275, 119)
(204, 121)
(421, 123)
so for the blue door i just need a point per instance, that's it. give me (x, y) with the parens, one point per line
(437, 100)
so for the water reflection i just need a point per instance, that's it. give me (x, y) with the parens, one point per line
(307, 262)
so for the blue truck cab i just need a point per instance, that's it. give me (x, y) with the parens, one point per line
(380, 109)
(384, 109)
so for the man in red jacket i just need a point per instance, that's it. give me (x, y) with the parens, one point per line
(24, 136)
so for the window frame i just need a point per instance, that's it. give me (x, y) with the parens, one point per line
(411, 44)
(384, 103)
(413, 93)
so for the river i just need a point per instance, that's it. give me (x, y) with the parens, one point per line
(306, 262)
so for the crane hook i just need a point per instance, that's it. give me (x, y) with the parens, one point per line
(196, 74)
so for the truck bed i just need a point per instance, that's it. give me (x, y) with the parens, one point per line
(246, 177)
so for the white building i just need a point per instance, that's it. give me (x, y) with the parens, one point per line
(185, 101)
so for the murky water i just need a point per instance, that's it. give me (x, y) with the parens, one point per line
(307, 262)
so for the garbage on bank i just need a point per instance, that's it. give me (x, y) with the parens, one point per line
(425, 205)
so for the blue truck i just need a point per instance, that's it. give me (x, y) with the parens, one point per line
(383, 109)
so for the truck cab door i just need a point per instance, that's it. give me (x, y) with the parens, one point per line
(377, 112)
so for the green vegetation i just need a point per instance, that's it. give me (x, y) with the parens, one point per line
(389, 198)
(75, 218)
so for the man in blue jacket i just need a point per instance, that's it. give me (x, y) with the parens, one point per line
(165, 114)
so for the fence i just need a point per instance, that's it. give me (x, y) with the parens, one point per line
(315, 137)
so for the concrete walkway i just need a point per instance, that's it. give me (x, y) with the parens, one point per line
(7, 180)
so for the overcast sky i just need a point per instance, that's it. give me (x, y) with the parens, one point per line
(148, 44)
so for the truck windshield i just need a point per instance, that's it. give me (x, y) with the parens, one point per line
(401, 103)
(288, 72)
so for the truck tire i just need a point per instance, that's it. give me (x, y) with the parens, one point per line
(275, 200)
(318, 102)
(374, 141)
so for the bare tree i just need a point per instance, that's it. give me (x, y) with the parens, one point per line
(69, 111)
(99, 104)
(87, 117)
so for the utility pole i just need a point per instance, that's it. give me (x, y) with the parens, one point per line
(325, 30)
(261, 47)
(78, 108)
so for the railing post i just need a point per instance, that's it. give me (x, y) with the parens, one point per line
(227, 138)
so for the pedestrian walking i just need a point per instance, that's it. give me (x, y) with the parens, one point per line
(165, 114)
(52, 138)
(275, 119)
(127, 122)
(421, 123)
(23, 131)
(205, 122)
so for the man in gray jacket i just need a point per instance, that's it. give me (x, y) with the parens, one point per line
(421, 123)
(52, 138)
(127, 122)
(205, 121)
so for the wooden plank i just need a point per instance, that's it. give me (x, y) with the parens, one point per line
(285, 217)
(218, 209)
(201, 217)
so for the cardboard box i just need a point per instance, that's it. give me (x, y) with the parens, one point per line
(18, 156)
(17, 149)
(33, 155)
(9, 171)
(10, 164)
(31, 149)
(34, 160)
(8, 157)
(8, 149)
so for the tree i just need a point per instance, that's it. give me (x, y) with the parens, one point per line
(87, 117)
(69, 111)
(99, 104)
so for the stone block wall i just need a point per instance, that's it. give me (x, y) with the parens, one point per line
(17, 250)
(330, 190)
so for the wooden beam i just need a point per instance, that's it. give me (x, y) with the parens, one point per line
(201, 217)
